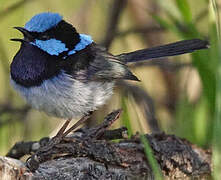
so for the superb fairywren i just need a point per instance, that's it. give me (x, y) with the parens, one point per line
(67, 75)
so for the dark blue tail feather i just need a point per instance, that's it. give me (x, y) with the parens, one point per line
(173, 49)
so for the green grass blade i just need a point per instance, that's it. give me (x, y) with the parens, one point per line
(125, 116)
(216, 55)
(151, 159)
(184, 8)
(165, 24)
(204, 65)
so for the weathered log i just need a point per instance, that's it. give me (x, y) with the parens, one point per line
(89, 154)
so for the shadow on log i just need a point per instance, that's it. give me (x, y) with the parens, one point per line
(90, 154)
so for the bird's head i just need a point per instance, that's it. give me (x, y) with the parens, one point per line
(49, 32)
(48, 41)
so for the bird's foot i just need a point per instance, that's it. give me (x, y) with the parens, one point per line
(33, 162)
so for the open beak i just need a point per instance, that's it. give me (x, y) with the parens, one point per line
(27, 35)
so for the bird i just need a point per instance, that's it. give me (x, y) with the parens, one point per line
(67, 75)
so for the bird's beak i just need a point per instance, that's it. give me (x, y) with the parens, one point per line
(27, 35)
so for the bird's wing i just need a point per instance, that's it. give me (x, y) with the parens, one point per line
(95, 63)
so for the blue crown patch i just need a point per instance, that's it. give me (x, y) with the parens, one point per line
(43, 21)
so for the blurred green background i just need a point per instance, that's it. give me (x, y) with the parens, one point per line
(177, 95)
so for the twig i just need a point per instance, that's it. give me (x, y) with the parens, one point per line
(5, 108)
(140, 30)
(201, 15)
(8, 108)
(114, 17)
(26, 148)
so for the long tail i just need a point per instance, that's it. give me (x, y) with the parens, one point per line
(173, 49)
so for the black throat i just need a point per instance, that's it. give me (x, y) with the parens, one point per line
(31, 66)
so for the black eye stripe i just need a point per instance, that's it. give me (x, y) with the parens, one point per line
(44, 37)
(63, 31)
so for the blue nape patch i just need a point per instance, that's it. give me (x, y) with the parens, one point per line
(85, 40)
(43, 21)
(52, 46)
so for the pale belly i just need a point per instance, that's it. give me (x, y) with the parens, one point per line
(65, 97)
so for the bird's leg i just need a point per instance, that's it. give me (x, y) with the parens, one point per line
(63, 133)
(34, 161)
(78, 123)
(62, 129)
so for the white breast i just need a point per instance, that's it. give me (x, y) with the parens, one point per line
(66, 97)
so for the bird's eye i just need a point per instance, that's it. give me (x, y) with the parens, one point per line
(44, 37)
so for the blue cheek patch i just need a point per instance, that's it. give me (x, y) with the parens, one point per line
(52, 46)
(85, 40)
(55, 47)
(43, 21)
